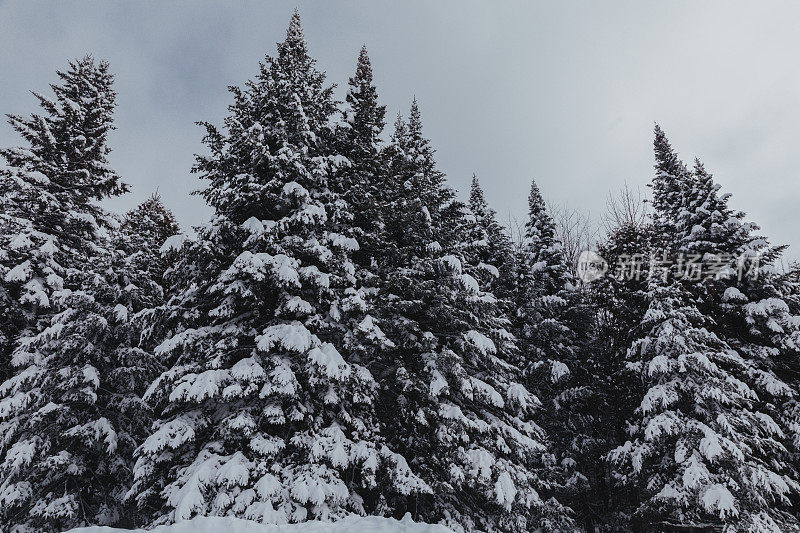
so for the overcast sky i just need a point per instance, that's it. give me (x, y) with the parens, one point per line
(564, 92)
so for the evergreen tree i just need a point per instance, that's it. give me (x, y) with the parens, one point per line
(144, 230)
(264, 414)
(14, 313)
(67, 416)
(549, 320)
(451, 397)
(492, 246)
(750, 303)
(543, 295)
(360, 181)
(705, 442)
(66, 147)
(668, 184)
(700, 450)
(610, 393)
(143, 261)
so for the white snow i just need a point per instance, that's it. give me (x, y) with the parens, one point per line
(433, 247)
(20, 242)
(504, 490)
(295, 189)
(469, 283)
(213, 524)
(558, 370)
(293, 336)
(173, 243)
(718, 499)
(330, 361)
(481, 341)
(343, 242)
(490, 269)
(253, 225)
(438, 384)
(21, 272)
(733, 294)
(121, 313)
(452, 262)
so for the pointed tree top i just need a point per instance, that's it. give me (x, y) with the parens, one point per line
(477, 200)
(540, 231)
(364, 114)
(294, 46)
(699, 167)
(535, 197)
(705, 185)
(83, 107)
(660, 142)
(294, 32)
(415, 118)
(399, 123)
(671, 176)
(666, 157)
(364, 66)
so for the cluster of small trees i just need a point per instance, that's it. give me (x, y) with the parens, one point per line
(344, 336)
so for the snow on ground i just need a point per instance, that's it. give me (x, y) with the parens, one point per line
(352, 524)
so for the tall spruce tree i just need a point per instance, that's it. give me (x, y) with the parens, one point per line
(491, 246)
(544, 283)
(705, 445)
(67, 416)
(750, 304)
(264, 415)
(361, 181)
(452, 400)
(143, 232)
(15, 313)
(143, 263)
(547, 318)
(66, 147)
(618, 302)
(668, 183)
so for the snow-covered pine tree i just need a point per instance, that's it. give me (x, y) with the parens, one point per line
(264, 415)
(68, 413)
(142, 265)
(142, 233)
(610, 393)
(543, 296)
(547, 321)
(749, 302)
(492, 246)
(15, 315)
(36, 213)
(700, 451)
(451, 396)
(667, 184)
(134, 274)
(361, 181)
(704, 445)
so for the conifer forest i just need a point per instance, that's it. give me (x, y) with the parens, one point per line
(346, 336)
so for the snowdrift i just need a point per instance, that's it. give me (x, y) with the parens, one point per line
(353, 524)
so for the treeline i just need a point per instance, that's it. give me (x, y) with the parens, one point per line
(345, 336)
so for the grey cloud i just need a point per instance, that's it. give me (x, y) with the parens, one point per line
(564, 92)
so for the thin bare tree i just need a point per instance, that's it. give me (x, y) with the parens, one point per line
(576, 229)
(627, 206)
